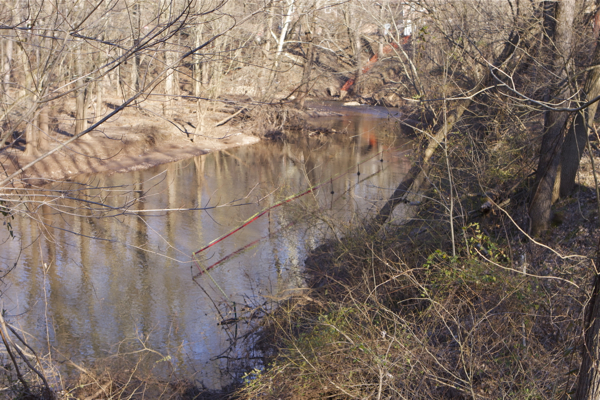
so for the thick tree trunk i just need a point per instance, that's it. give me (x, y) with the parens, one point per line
(287, 21)
(588, 383)
(577, 136)
(31, 131)
(120, 77)
(269, 31)
(171, 84)
(559, 28)
(100, 59)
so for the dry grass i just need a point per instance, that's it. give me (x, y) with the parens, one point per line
(394, 319)
(396, 315)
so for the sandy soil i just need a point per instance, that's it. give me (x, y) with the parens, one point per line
(133, 139)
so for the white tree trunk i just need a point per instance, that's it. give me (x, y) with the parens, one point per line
(7, 63)
(287, 20)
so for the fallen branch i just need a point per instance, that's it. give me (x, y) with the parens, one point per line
(226, 120)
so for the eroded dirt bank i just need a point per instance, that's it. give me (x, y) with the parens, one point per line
(133, 139)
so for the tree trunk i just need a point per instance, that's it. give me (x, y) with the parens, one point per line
(80, 112)
(171, 81)
(588, 383)
(415, 177)
(135, 62)
(80, 108)
(32, 137)
(99, 98)
(205, 73)
(359, 64)
(197, 62)
(559, 18)
(100, 59)
(206, 68)
(31, 133)
(305, 84)
(268, 31)
(7, 64)
(169, 86)
(577, 136)
(596, 26)
(43, 130)
(287, 20)
(135, 74)
(120, 77)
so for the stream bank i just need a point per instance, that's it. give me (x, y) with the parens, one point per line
(420, 310)
(128, 237)
(137, 139)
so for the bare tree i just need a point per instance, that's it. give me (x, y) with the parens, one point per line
(577, 136)
(558, 30)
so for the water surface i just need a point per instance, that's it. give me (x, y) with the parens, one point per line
(97, 281)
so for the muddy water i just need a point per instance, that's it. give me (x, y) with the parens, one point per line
(92, 281)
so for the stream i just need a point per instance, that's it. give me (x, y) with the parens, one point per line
(93, 281)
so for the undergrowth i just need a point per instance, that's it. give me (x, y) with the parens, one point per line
(396, 315)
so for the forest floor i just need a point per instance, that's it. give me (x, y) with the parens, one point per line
(136, 138)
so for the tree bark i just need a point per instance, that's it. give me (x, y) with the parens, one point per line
(101, 59)
(171, 82)
(305, 84)
(32, 137)
(135, 61)
(197, 62)
(559, 18)
(43, 130)
(577, 137)
(7, 64)
(80, 96)
(27, 91)
(99, 99)
(588, 382)
(269, 31)
(359, 64)
(287, 20)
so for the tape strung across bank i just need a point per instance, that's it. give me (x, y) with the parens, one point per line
(259, 214)
(238, 251)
